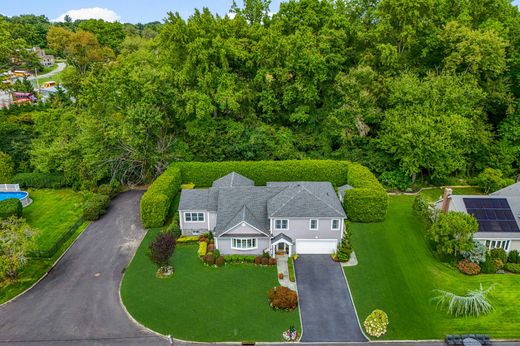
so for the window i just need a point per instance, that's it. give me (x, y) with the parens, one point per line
(495, 244)
(243, 243)
(281, 224)
(194, 217)
(313, 224)
(334, 224)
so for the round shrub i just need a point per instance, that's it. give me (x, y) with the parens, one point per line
(282, 298)
(499, 264)
(513, 256)
(258, 260)
(95, 207)
(512, 268)
(272, 261)
(10, 207)
(265, 261)
(220, 261)
(209, 259)
(488, 266)
(499, 253)
(203, 249)
(468, 268)
(376, 323)
(211, 247)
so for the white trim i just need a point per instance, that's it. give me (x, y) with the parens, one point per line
(245, 222)
(495, 240)
(281, 229)
(244, 249)
(332, 223)
(194, 212)
(281, 240)
(317, 224)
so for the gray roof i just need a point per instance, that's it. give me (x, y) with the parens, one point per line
(233, 179)
(511, 190)
(343, 188)
(244, 203)
(280, 236)
(196, 199)
(305, 199)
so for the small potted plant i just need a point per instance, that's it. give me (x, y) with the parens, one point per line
(280, 276)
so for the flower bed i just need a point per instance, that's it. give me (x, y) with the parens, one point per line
(468, 268)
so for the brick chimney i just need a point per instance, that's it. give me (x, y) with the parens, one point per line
(445, 207)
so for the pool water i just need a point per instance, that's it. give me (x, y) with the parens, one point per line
(18, 195)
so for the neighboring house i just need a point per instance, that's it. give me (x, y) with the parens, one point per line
(289, 217)
(45, 59)
(498, 215)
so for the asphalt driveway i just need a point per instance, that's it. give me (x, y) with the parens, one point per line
(78, 302)
(326, 307)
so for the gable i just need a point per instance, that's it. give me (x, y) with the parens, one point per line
(243, 228)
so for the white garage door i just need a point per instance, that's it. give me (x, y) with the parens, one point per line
(315, 246)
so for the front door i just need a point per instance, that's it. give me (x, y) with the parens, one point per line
(282, 248)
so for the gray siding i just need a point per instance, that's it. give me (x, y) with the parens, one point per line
(224, 246)
(299, 229)
(188, 227)
(212, 219)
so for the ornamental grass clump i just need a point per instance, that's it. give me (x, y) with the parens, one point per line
(474, 303)
(376, 323)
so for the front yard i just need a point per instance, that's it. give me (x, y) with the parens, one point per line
(397, 273)
(200, 303)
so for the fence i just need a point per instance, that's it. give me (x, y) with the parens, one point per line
(59, 243)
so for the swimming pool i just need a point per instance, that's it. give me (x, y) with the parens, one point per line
(23, 196)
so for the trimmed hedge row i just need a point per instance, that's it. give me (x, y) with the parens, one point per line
(367, 202)
(10, 207)
(95, 207)
(155, 202)
(40, 180)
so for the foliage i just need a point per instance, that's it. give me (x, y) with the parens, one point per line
(10, 207)
(6, 167)
(219, 261)
(477, 254)
(282, 298)
(40, 180)
(469, 268)
(491, 180)
(423, 208)
(95, 207)
(161, 249)
(452, 233)
(290, 265)
(376, 323)
(203, 246)
(16, 240)
(187, 239)
(512, 268)
(396, 180)
(344, 247)
(498, 253)
(110, 190)
(488, 266)
(474, 303)
(366, 205)
(156, 202)
(513, 257)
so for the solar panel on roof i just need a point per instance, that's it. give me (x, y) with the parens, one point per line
(492, 214)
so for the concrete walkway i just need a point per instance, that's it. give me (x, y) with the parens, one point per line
(283, 267)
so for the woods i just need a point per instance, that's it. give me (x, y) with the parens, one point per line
(418, 91)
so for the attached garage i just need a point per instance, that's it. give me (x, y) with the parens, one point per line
(315, 246)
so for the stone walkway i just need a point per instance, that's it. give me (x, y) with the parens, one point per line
(283, 267)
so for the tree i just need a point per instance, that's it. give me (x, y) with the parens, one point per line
(161, 249)
(16, 240)
(491, 180)
(6, 168)
(344, 247)
(452, 233)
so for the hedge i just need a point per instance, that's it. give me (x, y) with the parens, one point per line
(40, 180)
(155, 202)
(367, 202)
(95, 207)
(10, 207)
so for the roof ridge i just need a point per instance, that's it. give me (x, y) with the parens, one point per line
(290, 199)
(327, 203)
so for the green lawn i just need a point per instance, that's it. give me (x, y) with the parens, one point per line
(397, 273)
(436, 193)
(201, 303)
(52, 213)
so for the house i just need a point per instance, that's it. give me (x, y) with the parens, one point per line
(290, 217)
(498, 215)
(45, 59)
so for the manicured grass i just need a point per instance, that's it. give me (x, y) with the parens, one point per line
(52, 213)
(436, 193)
(397, 273)
(202, 303)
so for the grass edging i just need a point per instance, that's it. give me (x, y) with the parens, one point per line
(354, 305)
(49, 270)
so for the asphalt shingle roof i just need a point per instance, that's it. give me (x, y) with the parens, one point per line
(196, 199)
(511, 190)
(233, 179)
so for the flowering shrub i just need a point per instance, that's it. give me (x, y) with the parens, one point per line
(376, 323)
(203, 248)
(184, 239)
(468, 268)
(281, 297)
(291, 334)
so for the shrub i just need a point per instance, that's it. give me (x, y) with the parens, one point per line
(477, 254)
(366, 204)
(376, 323)
(203, 249)
(423, 208)
(282, 298)
(155, 202)
(513, 256)
(6, 168)
(161, 249)
(474, 303)
(216, 253)
(498, 253)
(396, 180)
(265, 261)
(290, 264)
(512, 268)
(272, 261)
(258, 260)
(452, 233)
(499, 264)
(468, 268)
(95, 207)
(220, 261)
(10, 207)
(211, 247)
(187, 239)
(344, 247)
(110, 190)
(175, 228)
(491, 180)
(209, 259)
(488, 266)
(40, 180)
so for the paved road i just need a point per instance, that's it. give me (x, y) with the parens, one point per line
(61, 66)
(325, 303)
(78, 302)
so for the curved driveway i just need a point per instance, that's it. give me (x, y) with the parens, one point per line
(78, 302)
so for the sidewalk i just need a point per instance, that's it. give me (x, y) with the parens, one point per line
(282, 267)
